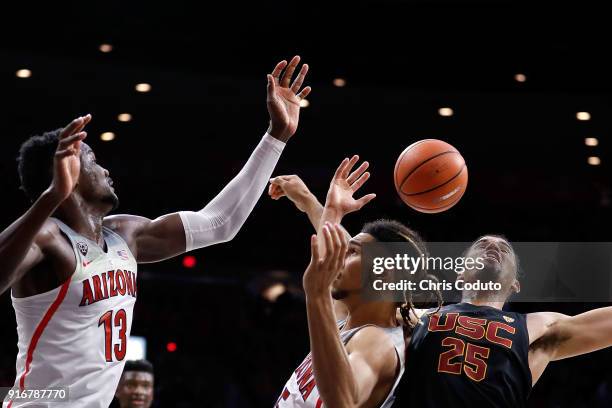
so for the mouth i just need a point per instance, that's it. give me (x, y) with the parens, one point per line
(493, 255)
(138, 401)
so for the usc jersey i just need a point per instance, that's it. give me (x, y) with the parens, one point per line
(468, 356)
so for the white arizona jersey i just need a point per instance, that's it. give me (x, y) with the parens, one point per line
(301, 389)
(75, 336)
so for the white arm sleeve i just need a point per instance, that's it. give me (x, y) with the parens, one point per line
(223, 217)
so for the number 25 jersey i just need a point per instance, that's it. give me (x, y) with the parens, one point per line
(467, 356)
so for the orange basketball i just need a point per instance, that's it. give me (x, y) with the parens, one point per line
(430, 176)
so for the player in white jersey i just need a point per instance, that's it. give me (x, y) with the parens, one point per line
(359, 360)
(72, 269)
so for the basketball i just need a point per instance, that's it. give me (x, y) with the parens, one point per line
(430, 176)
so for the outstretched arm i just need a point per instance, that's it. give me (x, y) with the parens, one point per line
(222, 218)
(563, 336)
(26, 241)
(345, 376)
(295, 190)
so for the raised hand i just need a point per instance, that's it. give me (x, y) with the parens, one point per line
(323, 269)
(284, 98)
(344, 185)
(293, 188)
(67, 162)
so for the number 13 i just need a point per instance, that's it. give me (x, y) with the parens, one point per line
(120, 321)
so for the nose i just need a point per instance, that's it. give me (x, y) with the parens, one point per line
(106, 172)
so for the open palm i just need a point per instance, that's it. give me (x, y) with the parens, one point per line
(344, 185)
(284, 98)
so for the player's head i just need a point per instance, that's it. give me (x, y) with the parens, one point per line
(35, 165)
(499, 264)
(136, 385)
(348, 281)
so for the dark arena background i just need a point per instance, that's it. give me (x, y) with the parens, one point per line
(523, 91)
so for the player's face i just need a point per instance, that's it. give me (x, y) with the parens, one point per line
(135, 390)
(349, 278)
(499, 263)
(95, 184)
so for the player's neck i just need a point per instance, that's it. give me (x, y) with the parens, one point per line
(381, 314)
(484, 302)
(82, 218)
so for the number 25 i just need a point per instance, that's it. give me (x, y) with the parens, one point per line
(474, 359)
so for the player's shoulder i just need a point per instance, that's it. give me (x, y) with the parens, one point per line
(48, 234)
(540, 323)
(371, 339)
(125, 225)
(374, 346)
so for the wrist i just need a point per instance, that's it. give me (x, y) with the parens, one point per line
(281, 134)
(333, 214)
(319, 297)
(310, 202)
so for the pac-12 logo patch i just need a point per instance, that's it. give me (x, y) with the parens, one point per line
(123, 254)
(509, 319)
(83, 248)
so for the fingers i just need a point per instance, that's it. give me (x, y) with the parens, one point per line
(70, 151)
(75, 126)
(340, 168)
(271, 85)
(314, 248)
(364, 200)
(68, 141)
(271, 190)
(278, 69)
(297, 84)
(305, 92)
(328, 240)
(360, 181)
(340, 246)
(71, 127)
(286, 80)
(276, 191)
(355, 175)
(349, 166)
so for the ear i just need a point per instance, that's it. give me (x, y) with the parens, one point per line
(516, 286)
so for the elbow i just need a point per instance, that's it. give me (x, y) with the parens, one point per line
(228, 232)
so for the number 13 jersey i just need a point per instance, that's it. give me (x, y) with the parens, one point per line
(75, 336)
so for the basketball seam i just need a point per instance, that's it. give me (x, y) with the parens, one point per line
(406, 150)
(422, 163)
(436, 208)
(438, 186)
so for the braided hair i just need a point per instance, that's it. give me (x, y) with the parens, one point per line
(393, 231)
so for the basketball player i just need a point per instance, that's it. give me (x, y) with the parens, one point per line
(476, 354)
(136, 385)
(72, 269)
(357, 361)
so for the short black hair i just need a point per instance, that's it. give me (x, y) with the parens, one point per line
(35, 163)
(138, 365)
(391, 231)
